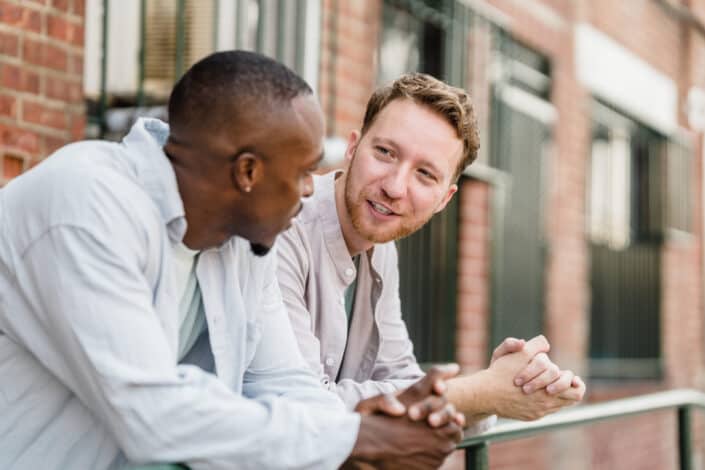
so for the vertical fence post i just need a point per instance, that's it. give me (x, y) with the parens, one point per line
(476, 457)
(685, 450)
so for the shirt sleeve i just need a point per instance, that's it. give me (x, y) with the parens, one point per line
(105, 342)
(292, 274)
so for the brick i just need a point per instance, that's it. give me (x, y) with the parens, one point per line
(65, 31)
(51, 144)
(79, 8)
(61, 89)
(33, 21)
(17, 138)
(58, 28)
(12, 165)
(75, 64)
(18, 78)
(11, 14)
(8, 106)
(33, 52)
(37, 113)
(9, 44)
(78, 126)
(45, 55)
(78, 36)
(63, 5)
(55, 58)
(18, 16)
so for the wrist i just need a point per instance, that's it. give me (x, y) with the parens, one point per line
(364, 449)
(471, 394)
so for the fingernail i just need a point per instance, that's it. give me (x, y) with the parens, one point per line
(550, 389)
(434, 420)
(528, 389)
(414, 413)
(518, 382)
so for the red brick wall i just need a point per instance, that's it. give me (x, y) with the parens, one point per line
(647, 442)
(349, 39)
(473, 275)
(41, 69)
(649, 30)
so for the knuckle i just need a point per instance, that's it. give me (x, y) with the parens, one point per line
(541, 359)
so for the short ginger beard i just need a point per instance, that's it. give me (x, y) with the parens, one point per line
(355, 208)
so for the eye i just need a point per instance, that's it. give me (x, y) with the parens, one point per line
(383, 151)
(427, 174)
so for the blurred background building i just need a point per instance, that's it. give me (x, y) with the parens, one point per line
(582, 219)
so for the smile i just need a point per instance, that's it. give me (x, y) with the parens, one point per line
(380, 208)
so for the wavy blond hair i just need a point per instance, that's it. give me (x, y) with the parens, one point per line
(452, 103)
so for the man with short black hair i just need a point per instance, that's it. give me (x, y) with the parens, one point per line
(140, 319)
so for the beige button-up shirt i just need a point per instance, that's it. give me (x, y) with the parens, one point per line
(315, 268)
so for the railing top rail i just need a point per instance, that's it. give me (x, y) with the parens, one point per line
(587, 414)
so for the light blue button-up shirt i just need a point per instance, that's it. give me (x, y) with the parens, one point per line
(89, 330)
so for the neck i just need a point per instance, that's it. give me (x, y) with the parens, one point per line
(355, 242)
(205, 226)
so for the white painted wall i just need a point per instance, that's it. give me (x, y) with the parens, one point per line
(619, 77)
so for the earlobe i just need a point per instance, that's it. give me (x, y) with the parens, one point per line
(246, 171)
(446, 199)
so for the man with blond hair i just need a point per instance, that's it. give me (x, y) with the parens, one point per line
(338, 263)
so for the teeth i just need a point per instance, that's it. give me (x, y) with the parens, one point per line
(381, 209)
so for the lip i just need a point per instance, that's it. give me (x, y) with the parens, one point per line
(379, 215)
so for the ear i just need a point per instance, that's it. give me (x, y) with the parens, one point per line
(247, 170)
(353, 140)
(446, 199)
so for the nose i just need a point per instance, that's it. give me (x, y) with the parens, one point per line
(307, 189)
(395, 185)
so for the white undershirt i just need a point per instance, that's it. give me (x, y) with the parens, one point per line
(192, 320)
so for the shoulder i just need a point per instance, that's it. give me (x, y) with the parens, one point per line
(77, 186)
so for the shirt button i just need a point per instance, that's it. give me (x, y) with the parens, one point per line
(330, 361)
(349, 272)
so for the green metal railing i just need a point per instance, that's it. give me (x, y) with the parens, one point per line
(476, 447)
(684, 401)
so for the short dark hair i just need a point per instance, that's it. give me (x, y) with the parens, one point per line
(451, 103)
(218, 87)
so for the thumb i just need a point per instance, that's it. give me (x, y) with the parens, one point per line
(508, 346)
(438, 374)
(386, 404)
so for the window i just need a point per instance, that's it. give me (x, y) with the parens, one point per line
(638, 191)
(520, 138)
(132, 73)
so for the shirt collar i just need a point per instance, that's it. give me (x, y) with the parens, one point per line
(144, 143)
(327, 211)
